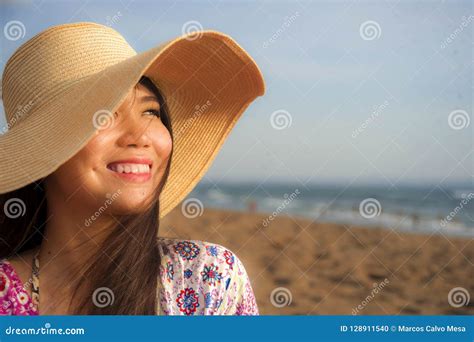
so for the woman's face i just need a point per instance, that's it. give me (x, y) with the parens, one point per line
(124, 162)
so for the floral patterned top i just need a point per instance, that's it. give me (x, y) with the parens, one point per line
(14, 300)
(197, 277)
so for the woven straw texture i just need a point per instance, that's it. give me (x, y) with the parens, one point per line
(55, 83)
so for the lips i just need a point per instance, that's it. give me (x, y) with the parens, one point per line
(135, 170)
(131, 165)
(130, 168)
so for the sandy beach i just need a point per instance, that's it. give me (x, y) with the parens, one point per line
(325, 268)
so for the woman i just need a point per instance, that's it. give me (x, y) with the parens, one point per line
(101, 143)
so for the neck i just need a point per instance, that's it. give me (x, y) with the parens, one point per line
(68, 242)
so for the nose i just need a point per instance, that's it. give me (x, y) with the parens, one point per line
(133, 131)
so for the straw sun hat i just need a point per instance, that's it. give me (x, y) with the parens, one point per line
(62, 85)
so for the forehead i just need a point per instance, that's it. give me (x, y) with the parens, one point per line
(143, 91)
(138, 95)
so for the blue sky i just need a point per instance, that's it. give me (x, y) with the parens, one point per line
(326, 74)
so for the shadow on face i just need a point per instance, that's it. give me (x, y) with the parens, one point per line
(123, 162)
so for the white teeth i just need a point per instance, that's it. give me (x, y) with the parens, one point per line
(131, 168)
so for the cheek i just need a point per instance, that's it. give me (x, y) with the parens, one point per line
(97, 147)
(78, 171)
(70, 181)
(163, 144)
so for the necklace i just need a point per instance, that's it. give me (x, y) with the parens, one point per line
(35, 281)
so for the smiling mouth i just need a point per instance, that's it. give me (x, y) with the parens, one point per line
(131, 172)
(130, 168)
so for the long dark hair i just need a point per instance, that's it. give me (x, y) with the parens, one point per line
(126, 266)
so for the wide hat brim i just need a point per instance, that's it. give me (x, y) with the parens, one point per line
(191, 72)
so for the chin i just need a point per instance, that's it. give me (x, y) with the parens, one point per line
(128, 206)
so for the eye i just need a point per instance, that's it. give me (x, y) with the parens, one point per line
(153, 112)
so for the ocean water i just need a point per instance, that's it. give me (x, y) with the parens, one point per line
(448, 211)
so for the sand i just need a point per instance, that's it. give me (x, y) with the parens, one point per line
(327, 269)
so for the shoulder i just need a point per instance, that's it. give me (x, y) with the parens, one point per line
(21, 265)
(8, 278)
(206, 274)
(196, 257)
(188, 250)
(14, 298)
